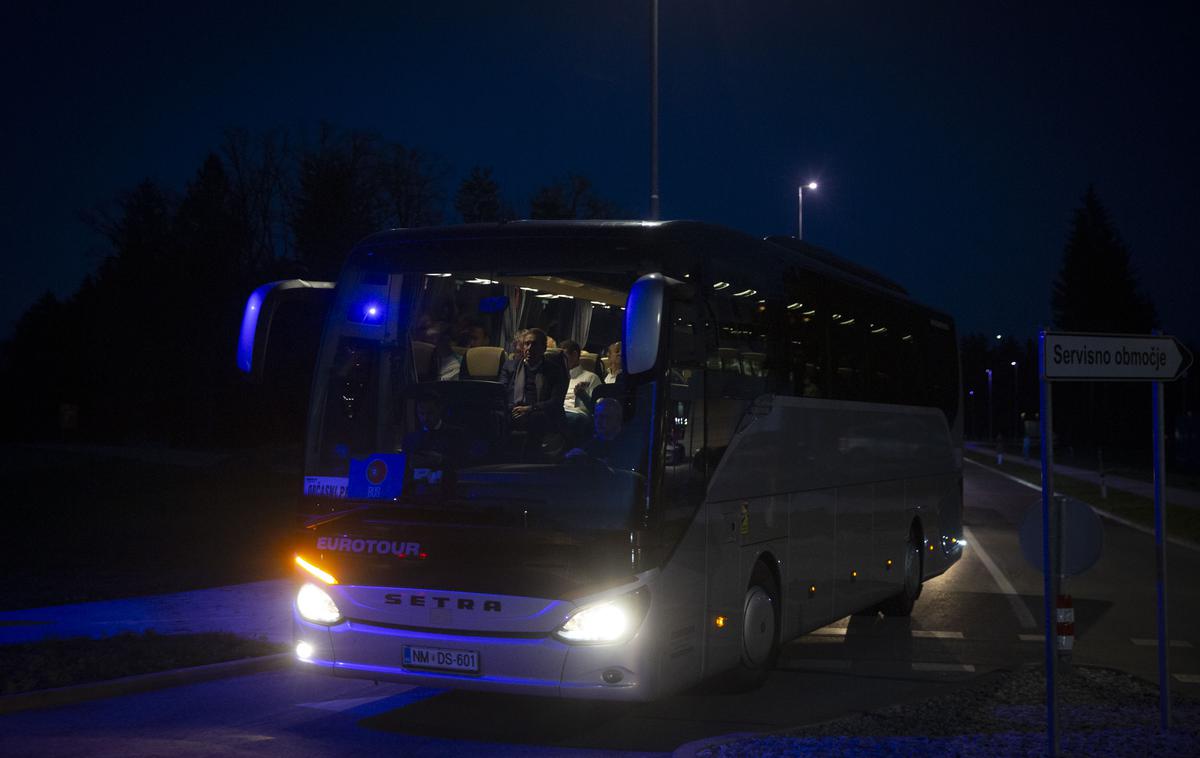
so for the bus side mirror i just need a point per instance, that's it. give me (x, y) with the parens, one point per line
(262, 306)
(644, 344)
(644, 315)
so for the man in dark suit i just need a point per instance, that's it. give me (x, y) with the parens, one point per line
(536, 386)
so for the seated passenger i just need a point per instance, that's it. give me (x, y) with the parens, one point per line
(611, 443)
(446, 364)
(614, 363)
(536, 388)
(580, 384)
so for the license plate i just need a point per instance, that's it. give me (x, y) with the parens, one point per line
(441, 659)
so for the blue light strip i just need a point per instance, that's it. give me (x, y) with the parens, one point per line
(245, 349)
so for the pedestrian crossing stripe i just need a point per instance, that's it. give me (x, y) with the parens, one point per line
(1154, 643)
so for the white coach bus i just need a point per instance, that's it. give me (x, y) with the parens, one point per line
(790, 428)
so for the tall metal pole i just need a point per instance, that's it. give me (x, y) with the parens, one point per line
(1160, 555)
(800, 212)
(653, 110)
(1049, 549)
(1016, 408)
(991, 439)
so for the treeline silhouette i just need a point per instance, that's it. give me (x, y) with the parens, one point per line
(143, 351)
(1096, 290)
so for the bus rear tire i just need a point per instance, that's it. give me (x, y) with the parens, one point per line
(901, 604)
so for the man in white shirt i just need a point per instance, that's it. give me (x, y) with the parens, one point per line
(580, 384)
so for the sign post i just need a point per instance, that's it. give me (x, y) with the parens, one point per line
(1049, 563)
(1069, 356)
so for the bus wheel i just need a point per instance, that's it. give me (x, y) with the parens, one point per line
(760, 622)
(902, 603)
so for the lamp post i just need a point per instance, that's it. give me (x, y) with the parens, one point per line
(989, 376)
(971, 419)
(1016, 411)
(800, 208)
(654, 197)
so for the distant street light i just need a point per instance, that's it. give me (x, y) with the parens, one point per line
(800, 208)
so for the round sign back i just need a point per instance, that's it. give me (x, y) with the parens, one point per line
(1083, 536)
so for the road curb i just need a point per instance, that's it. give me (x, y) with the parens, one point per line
(60, 696)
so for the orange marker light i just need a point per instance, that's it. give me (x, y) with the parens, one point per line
(719, 621)
(324, 576)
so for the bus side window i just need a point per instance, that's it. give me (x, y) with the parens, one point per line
(805, 328)
(847, 325)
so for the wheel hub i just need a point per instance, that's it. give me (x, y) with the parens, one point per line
(758, 626)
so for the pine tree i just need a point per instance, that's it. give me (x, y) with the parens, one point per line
(1096, 289)
(478, 197)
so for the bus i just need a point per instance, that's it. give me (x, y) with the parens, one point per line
(792, 430)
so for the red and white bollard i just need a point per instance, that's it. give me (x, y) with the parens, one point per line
(1066, 627)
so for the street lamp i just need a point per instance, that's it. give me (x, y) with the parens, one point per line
(800, 208)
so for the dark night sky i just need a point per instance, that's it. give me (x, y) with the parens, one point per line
(952, 140)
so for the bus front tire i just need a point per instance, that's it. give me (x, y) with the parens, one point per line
(901, 604)
(760, 623)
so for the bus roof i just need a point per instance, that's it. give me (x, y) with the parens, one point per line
(670, 246)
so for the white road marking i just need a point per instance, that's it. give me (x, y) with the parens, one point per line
(345, 704)
(937, 635)
(956, 667)
(1014, 598)
(1154, 643)
(835, 633)
(812, 639)
(1008, 476)
(1188, 678)
(830, 631)
(1032, 637)
(1101, 513)
(816, 663)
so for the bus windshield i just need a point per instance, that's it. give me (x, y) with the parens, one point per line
(424, 381)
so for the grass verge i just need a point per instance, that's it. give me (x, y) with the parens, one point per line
(78, 660)
(1182, 522)
(88, 526)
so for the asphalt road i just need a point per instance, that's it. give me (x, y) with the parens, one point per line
(984, 614)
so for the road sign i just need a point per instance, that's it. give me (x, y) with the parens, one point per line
(1114, 357)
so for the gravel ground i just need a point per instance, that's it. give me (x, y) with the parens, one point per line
(1101, 713)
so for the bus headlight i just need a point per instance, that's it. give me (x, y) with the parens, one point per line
(606, 621)
(316, 605)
